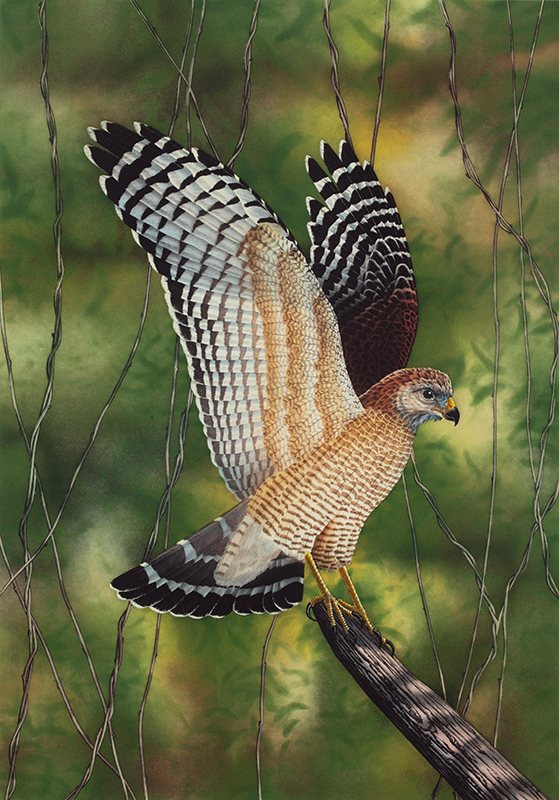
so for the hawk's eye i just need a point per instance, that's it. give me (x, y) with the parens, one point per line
(428, 394)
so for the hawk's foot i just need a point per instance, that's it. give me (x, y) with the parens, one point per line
(358, 608)
(360, 611)
(334, 607)
(337, 608)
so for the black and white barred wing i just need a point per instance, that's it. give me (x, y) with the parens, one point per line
(361, 258)
(261, 340)
(191, 216)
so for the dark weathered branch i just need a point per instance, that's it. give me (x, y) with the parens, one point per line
(456, 750)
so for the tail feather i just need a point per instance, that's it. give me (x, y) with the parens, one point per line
(181, 579)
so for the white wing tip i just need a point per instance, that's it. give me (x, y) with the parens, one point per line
(92, 132)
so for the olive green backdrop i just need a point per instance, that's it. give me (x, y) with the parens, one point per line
(321, 738)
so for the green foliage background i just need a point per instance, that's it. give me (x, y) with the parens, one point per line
(321, 738)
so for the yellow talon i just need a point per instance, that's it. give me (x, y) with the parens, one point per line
(334, 605)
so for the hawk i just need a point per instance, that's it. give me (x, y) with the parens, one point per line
(298, 369)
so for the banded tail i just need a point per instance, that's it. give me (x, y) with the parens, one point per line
(183, 579)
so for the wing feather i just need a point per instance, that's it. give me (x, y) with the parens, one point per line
(361, 258)
(261, 340)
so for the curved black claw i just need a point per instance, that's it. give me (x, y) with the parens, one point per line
(386, 644)
(382, 642)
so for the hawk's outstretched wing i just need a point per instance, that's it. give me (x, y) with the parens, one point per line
(261, 340)
(361, 258)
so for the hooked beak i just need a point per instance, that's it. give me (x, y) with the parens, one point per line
(451, 412)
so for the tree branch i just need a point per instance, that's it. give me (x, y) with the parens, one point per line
(473, 767)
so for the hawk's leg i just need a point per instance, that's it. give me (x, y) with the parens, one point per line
(357, 604)
(332, 604)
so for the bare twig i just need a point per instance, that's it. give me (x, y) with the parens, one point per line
(176, 107)
(261, 704)
(381, 81)
(334, 56)
(247, 60)
(186, 80)
(422, 589)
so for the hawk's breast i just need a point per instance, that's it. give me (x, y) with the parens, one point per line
(335, 488)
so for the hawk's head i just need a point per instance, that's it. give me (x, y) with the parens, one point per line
(414, 395)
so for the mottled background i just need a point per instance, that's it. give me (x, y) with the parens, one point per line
(322, 738)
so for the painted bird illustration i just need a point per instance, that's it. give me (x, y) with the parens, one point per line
(298, 369)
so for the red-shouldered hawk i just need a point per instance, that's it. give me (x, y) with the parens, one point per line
(298, 370)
